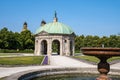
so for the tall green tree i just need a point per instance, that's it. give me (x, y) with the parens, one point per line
(79, 42)
(3, 38)
(96, 41)
(11, 40)
(26, 40)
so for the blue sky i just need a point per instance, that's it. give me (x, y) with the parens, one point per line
(87, 17)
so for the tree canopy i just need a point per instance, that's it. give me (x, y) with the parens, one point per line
(15, 40)
(96, 41)
(25, 40)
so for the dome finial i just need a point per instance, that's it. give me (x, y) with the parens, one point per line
(55, 18)
(55, 14)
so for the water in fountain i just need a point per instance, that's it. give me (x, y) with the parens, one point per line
(71, 77)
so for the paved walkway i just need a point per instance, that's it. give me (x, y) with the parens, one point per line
(56, 62)
(68, 62)
(115, 66)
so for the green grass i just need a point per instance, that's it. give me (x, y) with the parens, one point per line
(94, 59)
(16, 51)
(26, 60)
(113, 58)
(88, 58)
(8, 54)
(13, 54)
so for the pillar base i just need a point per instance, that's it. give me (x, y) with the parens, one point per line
(103, 68)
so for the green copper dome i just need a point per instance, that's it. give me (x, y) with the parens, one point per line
(55, 28)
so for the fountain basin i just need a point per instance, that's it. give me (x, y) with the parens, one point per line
(101, 51)
(72, 77)
(87, 72)
(103, 54)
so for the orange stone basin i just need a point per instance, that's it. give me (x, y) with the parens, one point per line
(101, 51)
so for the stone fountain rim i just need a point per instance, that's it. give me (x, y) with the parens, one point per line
(99, 48)
(26, 75)
(99, 51)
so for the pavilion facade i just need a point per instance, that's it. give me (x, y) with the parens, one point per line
(54, 35)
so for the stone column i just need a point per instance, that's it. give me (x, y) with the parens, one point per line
(61, 47)
(64, 47)
(49, 47)
(73, 47)
(38, 48)
(68, 47)
(35, 51)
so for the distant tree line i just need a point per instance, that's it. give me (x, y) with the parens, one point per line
(96, 41)
(16, 41)
(25, 40)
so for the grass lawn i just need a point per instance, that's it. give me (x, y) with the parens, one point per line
(113, 58)
(88, 58)
(7, 54)
(16, 51)
(94, 59)
(24, 60)
(13, 54)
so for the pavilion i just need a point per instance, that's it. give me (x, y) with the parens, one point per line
(59, 34)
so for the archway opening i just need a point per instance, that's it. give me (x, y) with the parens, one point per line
(55, 47)
(44, 47)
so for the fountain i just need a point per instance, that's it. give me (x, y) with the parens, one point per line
(74, 73)
(103, 54)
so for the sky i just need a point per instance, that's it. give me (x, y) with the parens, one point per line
(85, 17)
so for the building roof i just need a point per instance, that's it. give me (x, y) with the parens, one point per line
(55, 28)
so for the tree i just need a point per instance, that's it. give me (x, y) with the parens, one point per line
(96, 41)
(17, 38)
(11, 40)
(26, 40)
(1, 44)
(118, 41)
(79, 42)
(3, 37)
(29, 44)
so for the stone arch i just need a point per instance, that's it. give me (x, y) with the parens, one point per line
(44, 47)
(56, 47)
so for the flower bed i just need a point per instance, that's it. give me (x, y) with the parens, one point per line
(45, 62)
